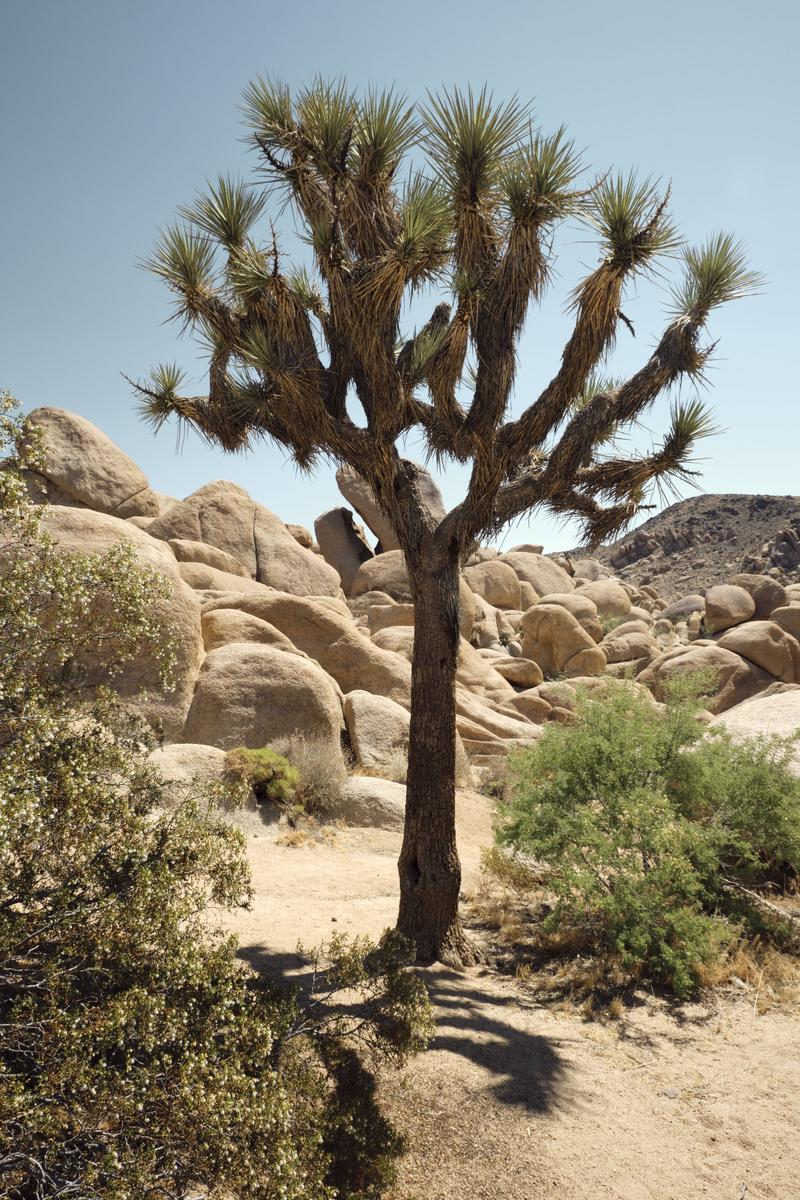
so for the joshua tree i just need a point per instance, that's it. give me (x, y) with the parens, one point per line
(458, 198)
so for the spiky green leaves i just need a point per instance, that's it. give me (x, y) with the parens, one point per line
(226, 212)
(157, 397)
(632, 219)
(690, 421)
(426, 225)
(327, 114)
(538, 181)
(713, 274)
(386, 129)
(250, 273)
(469, 137)
(268, 110)
(185, 261)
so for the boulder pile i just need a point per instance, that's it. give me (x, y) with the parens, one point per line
(281, 635)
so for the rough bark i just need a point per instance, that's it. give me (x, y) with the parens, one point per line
(429, 867)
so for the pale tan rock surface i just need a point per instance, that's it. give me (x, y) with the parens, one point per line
(188, 763)
(381, 616)
(370, 802)
(768, 646)
(359, 495)
(683, 608)
(201, 552)
(736, 679)
(252, 695)
(727, 605)
(84, 531)
(609, 598)
(540, 572)
(767, 593)
(520, 672)
(531, 705)
(765, 716)
(222, 626)
(631, 647)
(788, 617)
(554, 639)
(582, 607)
(474, 673)
(342, 543)
(329, 636)
(496, 581)
(590, 569)
(377, 727)
(226, 516)
(203, 578)
(85, 465)
(384, 573)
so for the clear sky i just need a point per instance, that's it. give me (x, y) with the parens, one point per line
(114, 112)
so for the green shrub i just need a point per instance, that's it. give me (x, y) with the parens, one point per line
(653, 834)
(271, 777)
(609, 624)
(138, 1056)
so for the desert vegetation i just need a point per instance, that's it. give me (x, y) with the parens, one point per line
(470, 223)
(662, 848)
(219, 731)
(137, 1055)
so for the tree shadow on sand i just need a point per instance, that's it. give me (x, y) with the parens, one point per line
(525, 1069)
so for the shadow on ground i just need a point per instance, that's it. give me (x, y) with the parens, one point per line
(488, 1028)
(473, 1020)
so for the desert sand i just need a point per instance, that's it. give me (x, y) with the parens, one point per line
(516, 1099)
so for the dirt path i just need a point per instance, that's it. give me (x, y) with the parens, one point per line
(516, 1100)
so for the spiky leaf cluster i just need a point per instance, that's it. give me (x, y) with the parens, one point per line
(461, 195)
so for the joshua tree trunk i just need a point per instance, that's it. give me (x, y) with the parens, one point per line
(430, 871)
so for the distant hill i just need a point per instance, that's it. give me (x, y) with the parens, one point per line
(705, 539)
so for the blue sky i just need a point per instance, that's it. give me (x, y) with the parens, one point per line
(115, 113)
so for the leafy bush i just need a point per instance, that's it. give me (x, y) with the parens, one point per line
(137, 1055)
(271, 777)
(654, 835)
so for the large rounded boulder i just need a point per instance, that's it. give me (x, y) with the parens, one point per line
(226, 516)
(377, 727)
(324, 629)
(767, 645)
(82, 531)
(727, 605)
(767, 593)
(85, 468)
(540, 572)
(609, 597)
(496, 582)
(556, 640)
(733, 678)
(384, 573)
(254, 695)
(360, 496)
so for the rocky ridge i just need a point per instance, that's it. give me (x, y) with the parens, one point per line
(709, 537)
(281, 634)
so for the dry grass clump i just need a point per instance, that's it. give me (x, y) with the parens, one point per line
(756, 965)
(303, 830)
(395, 767)
(321, 769)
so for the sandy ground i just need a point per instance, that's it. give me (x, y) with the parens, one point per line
(517, 1100)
